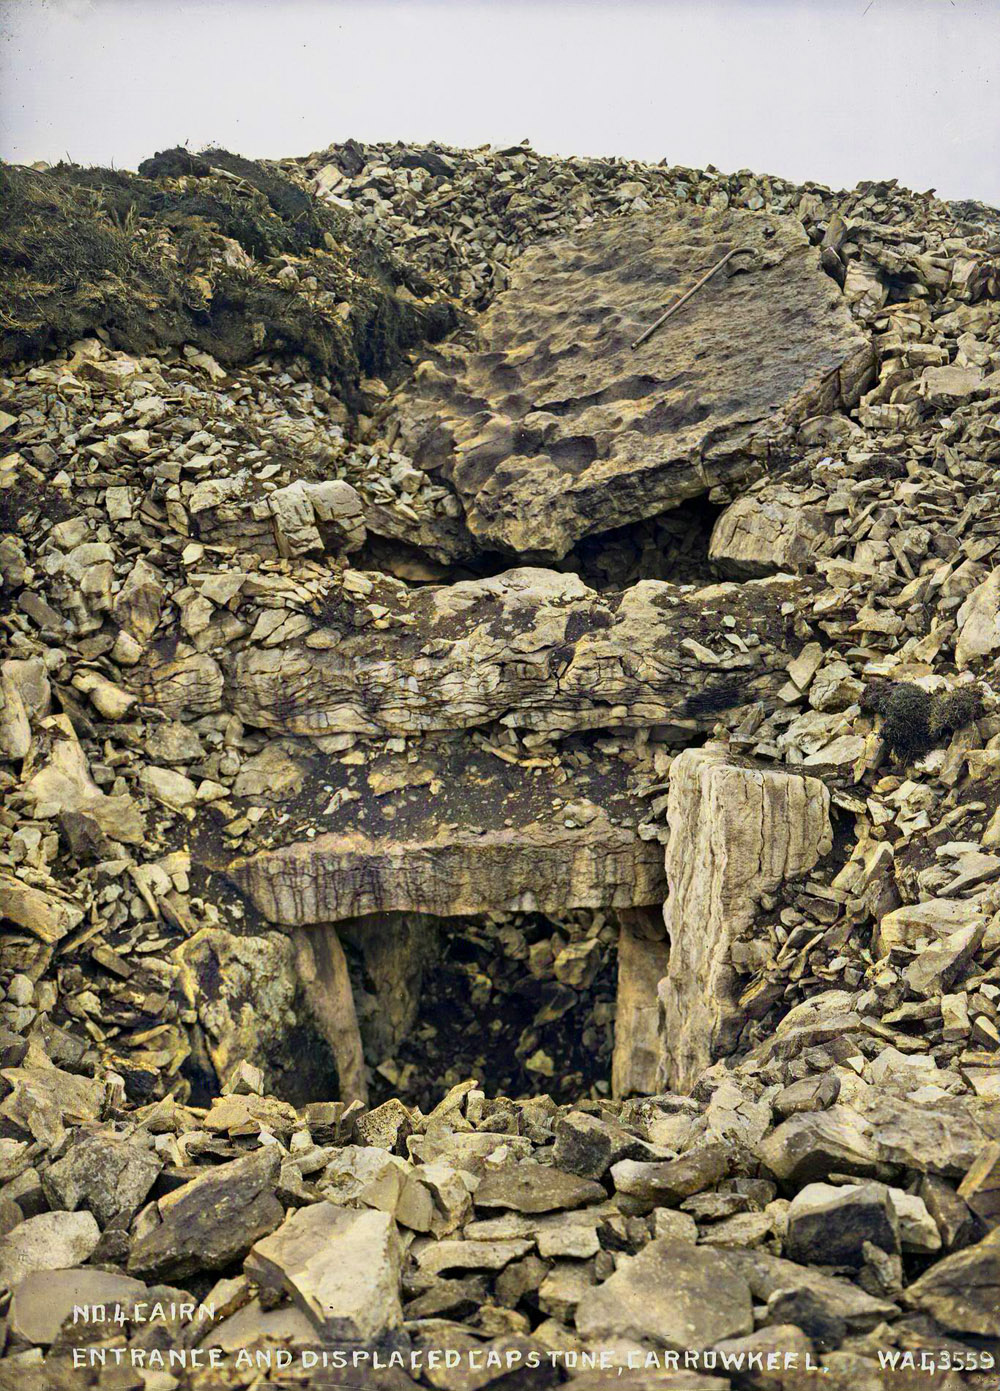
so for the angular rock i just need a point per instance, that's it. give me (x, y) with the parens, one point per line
(830, 1225)
(736, 833)
(43, 1301)
(50, 916)
(758, 536)
(43, 1100)
(979, 622)
(584, 1144)
(840, 1300)
(340, 1267)
(962, 1292)
(932, 920)
(106, 1173)
(50, 1241)
(812, 1144)
(212, 1220)
(530, 1187)
(673, 1179)
(771, 1359)
(440, 1256)
(671, 1295)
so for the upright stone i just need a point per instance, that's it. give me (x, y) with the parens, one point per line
(736, 832)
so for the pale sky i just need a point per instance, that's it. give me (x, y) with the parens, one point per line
(831, 90)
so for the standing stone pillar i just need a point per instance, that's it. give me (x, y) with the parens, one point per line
(736, 832)
(322, 968)
(642, 960)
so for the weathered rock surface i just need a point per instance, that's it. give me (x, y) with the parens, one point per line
(830, 1225)
(736, 833)
(553, 426)
(757, 536)
(670, 1295)
(643, 955)
(50, 1241)
(107, 1173)
(213, 1219)
(533, 648)
(963, 1291)
(44, 1300)
(537, 868)
(340, 1267)
(536, 1188)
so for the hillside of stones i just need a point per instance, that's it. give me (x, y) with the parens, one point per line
(500, 811)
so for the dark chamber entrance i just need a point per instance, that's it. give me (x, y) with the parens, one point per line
(519, 1002)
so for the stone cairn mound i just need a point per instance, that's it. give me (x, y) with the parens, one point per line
(500, 843)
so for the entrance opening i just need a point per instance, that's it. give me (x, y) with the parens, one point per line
(672, 546)
(522, 1003)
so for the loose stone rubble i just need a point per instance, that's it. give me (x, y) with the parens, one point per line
(470, 882)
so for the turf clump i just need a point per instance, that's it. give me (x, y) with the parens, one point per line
(211, 249)
(913, 721)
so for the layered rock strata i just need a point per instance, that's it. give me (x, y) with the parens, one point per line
(532, 648)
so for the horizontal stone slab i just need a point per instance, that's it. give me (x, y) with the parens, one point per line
(552, 426)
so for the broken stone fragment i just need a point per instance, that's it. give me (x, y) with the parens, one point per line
(15, 726)
(671, 1295)
(306, 515)
(758, 536)
(962, 1292)
(438, 1256)
(830, 1225)
(168, 786)
(531, 1187)
(46, 913)
(932, 920)
(50, 1241)
(43, 1301)
(43, 1101)
(585, 1145)
(341, 1268)
(774, 1358)
(108, 1173)
(209, 1222)
(813, 1144)
(829, 1298)
(979, 622)
(361, 1175)
(667, 1182)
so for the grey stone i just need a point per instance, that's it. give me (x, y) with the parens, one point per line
(212, 1220)
(341, 1268)
(671, 1295)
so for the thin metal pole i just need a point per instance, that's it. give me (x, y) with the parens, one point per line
(648, 333)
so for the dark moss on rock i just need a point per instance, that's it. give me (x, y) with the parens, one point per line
(214, 250)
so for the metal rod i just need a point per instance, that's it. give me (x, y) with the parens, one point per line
(648, 332)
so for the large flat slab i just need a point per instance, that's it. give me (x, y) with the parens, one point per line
(551, 427)
(455, 831)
